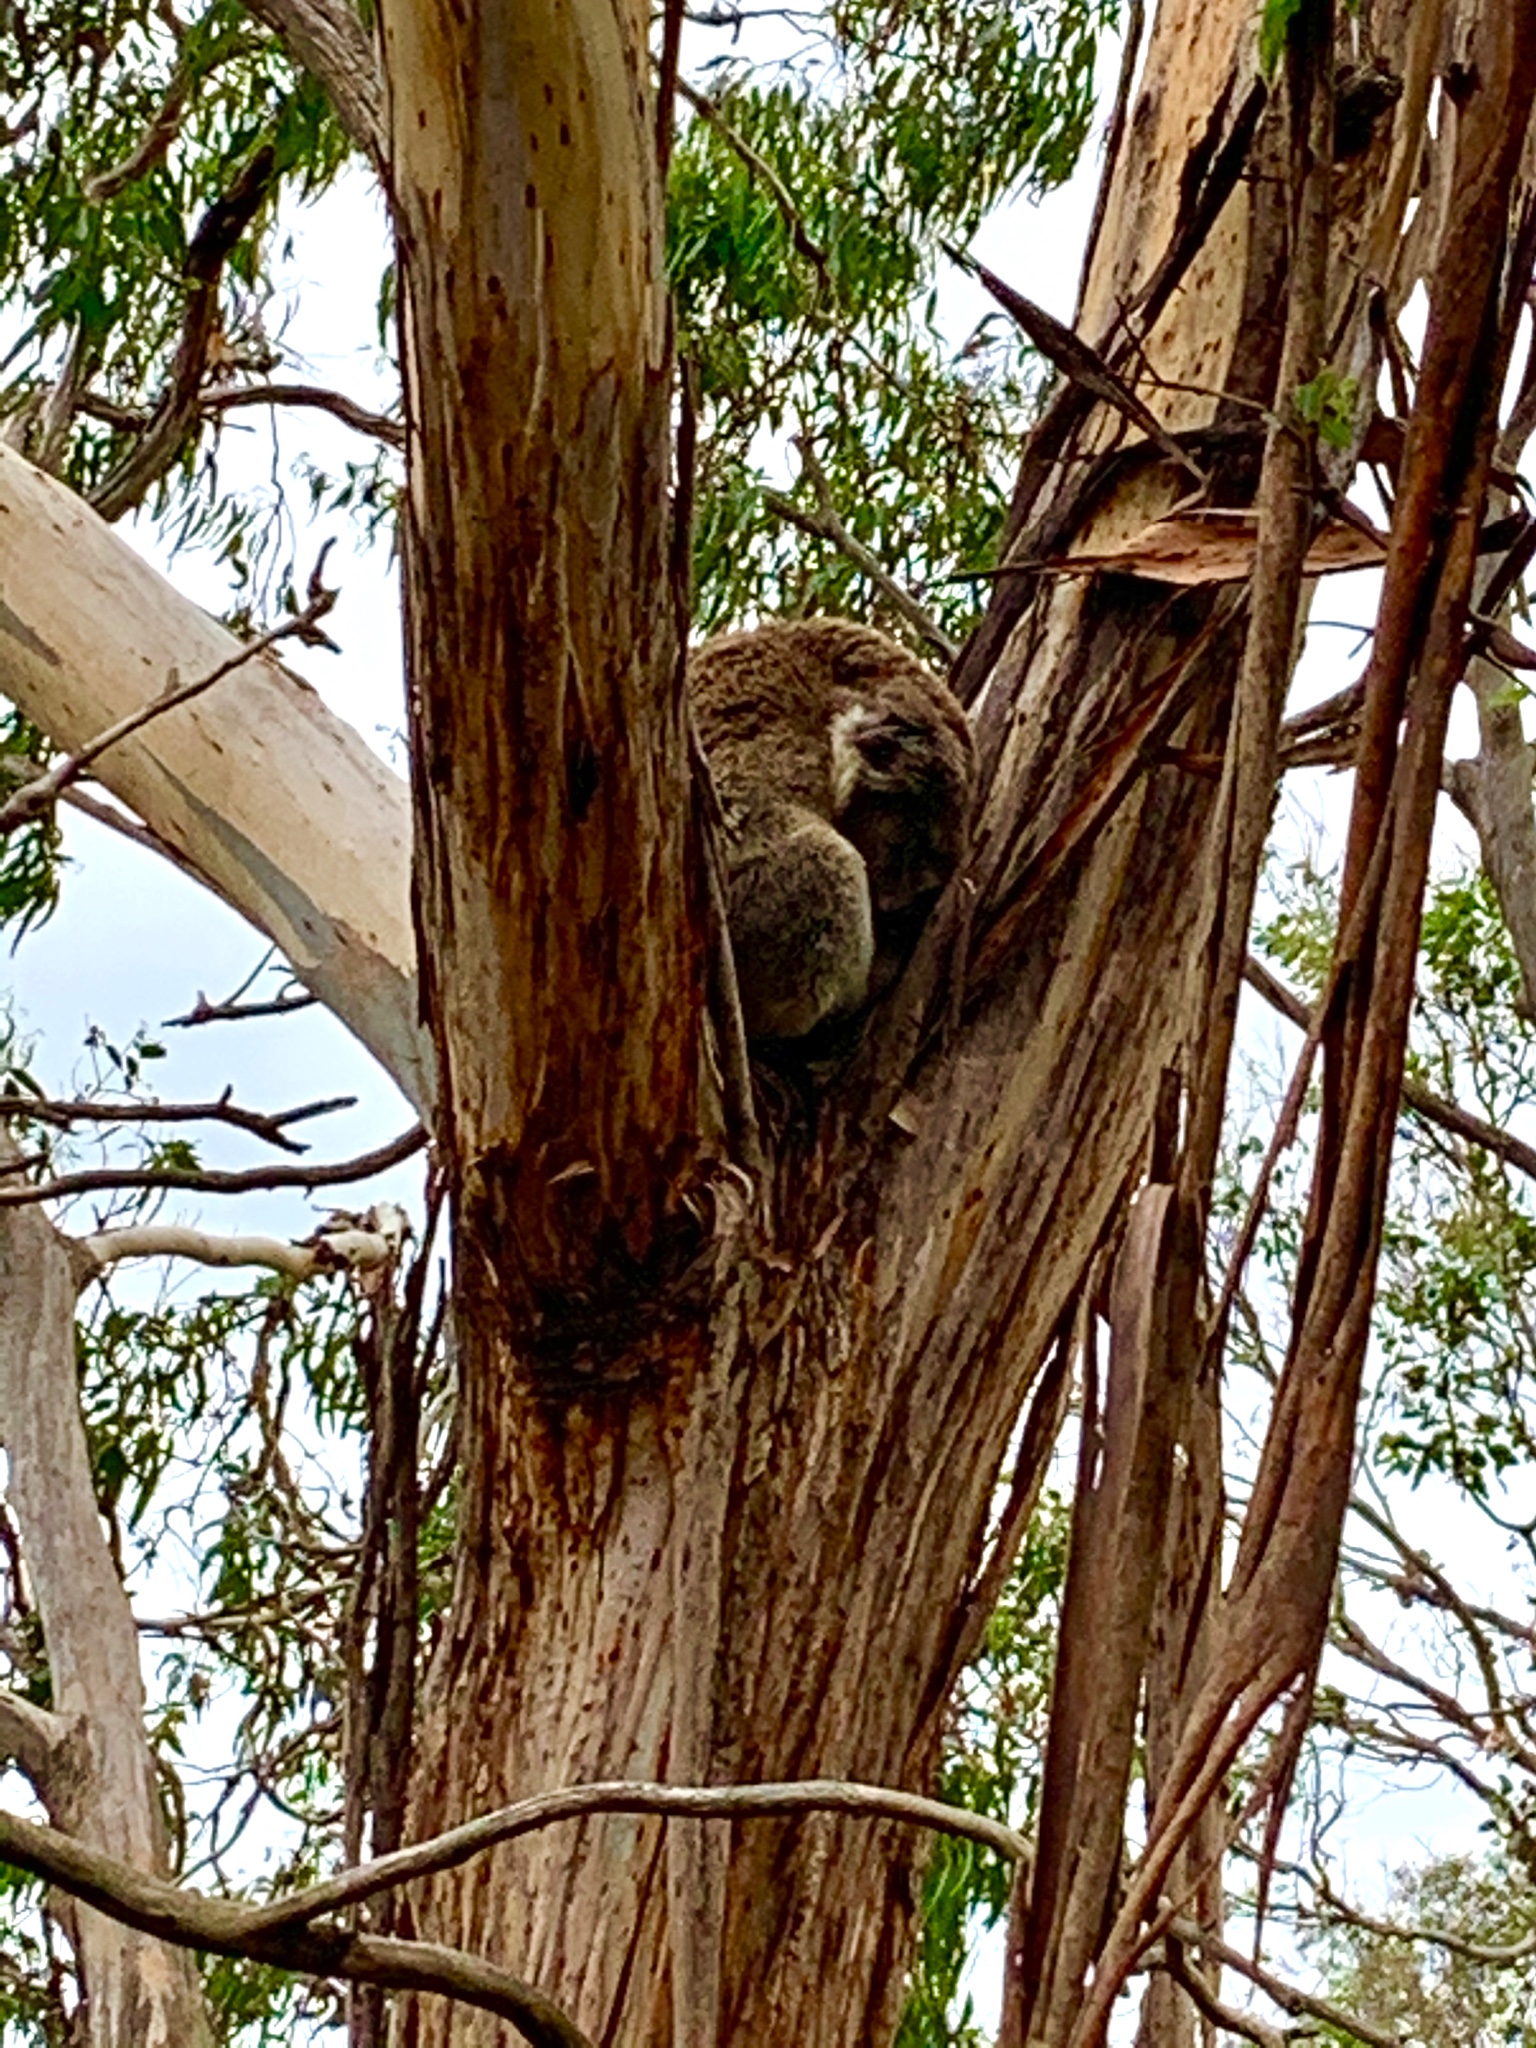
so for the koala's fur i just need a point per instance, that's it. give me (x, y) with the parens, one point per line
(845, 771)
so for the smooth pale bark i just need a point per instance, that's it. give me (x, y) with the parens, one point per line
(274, 802)
(97, 1780)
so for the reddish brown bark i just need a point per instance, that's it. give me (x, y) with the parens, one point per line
(730, 1456)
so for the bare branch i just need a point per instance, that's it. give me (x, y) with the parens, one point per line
(353, 1245)
(213, 1181)
(204, 1012)
(36, 798)
(1245, 2024)
(1077, 360)
(221, 1927)
(1287, 1996)
(345, 409)
(1435, 1109)
(272, 1127)
(698, 1802)
(824, 524)
(175, 416)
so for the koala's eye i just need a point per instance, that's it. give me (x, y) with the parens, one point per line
(881, 749)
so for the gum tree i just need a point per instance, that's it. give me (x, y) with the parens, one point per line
(738, 1375)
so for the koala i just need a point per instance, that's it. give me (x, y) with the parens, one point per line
(845, 771)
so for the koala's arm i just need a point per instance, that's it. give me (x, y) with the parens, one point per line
(801, 927)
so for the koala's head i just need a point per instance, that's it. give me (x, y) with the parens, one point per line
(902, 778)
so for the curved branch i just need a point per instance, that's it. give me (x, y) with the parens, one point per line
(328, 40)
(221, 1927)
(696, 1802)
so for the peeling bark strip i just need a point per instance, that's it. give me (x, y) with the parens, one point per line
(1275, 1612)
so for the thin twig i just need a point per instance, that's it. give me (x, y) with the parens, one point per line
(824, 524)
(36, 798)
(759, 167)
(211, 1180)
(271, 1126)
(1435, 1109)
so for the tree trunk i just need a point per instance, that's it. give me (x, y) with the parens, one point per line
(732, 1470)
(96, 1777)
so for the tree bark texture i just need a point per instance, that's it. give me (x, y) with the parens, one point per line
(97, 1779)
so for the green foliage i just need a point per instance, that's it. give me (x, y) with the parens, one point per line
(1330, 403)
(29, 858)
(1274, 28)
(992, 1754)
(1430, 1995)
(92, 258)
(806, 290)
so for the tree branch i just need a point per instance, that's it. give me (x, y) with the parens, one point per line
(221, 1927)
(151, 148)
(213, 1181)
(824, 524)
(1435, 1109)
(371, 1241)
(329, 41)
(345, 409)
(30, 1737)
(698, 1802)
(1286, 1995)
(36, 799)
(272, 1127)
(217, 236)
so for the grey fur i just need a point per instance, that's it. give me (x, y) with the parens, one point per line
(845, 771)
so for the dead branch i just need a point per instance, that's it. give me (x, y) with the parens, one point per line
(271, 1126)
(345, 409)
(175, 417)
(213, 1181)
(204, 1012)
(283, 1932)
(1078, 361)
(36, 799)
(357, 1245)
